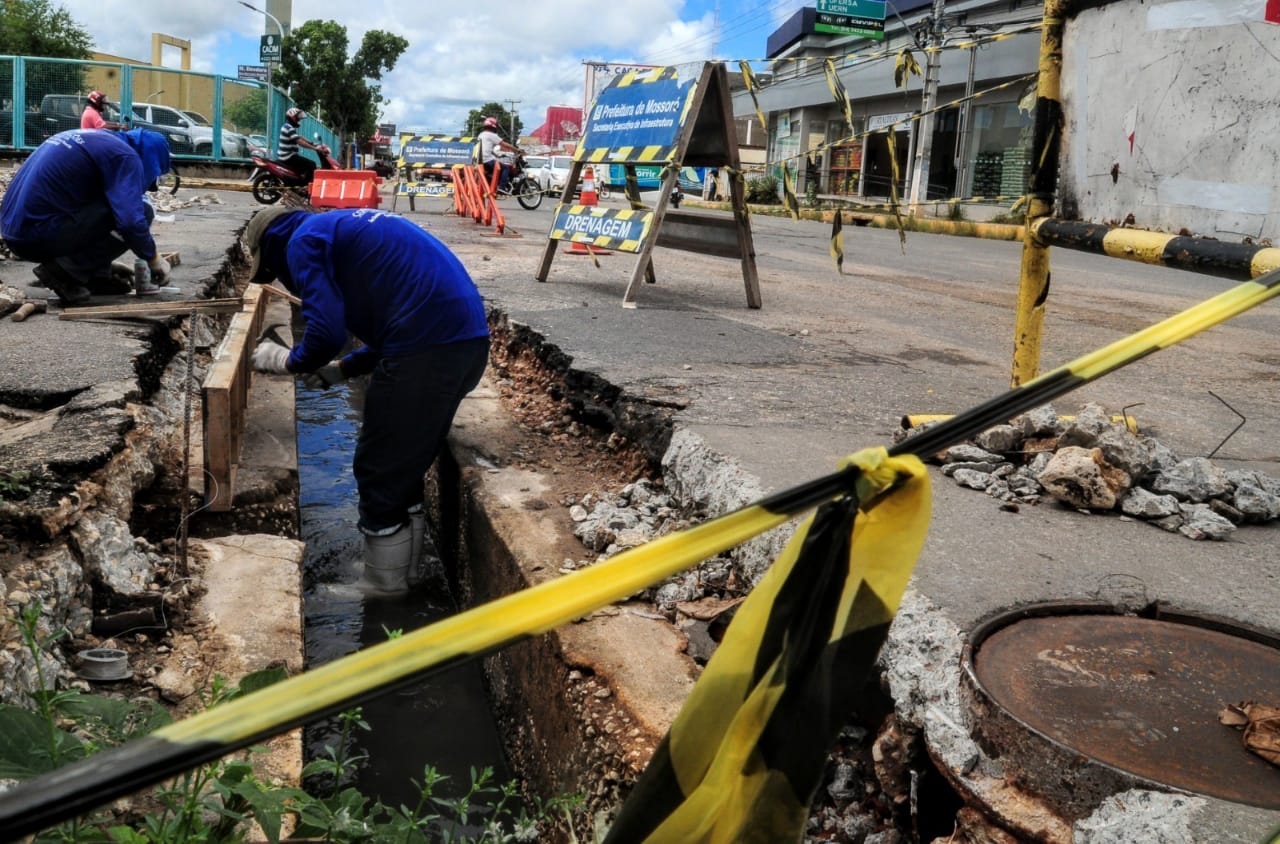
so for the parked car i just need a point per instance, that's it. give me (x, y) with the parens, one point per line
(555, 172)
(259, 145)
(533, 165)
(199, 138)
(60, 112)
(234, 145)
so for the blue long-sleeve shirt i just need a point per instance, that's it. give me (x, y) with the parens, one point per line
(380, 277)
(80, 166)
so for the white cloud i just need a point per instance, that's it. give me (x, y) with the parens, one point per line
(461, 55)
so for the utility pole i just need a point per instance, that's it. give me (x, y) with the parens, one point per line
(270, 85)
(924, 146)
(715, 30)
(511, 114)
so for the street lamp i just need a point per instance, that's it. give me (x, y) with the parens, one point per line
(156, 94)
(279, 29)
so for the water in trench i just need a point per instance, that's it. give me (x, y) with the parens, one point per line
(443, 720)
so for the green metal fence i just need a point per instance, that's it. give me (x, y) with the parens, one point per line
(204, 116)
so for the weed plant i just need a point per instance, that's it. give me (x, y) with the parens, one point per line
(227, 800)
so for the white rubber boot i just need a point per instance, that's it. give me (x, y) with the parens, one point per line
(418, 531)
(387, 562)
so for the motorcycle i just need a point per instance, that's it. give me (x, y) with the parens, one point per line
(521, 184)
(271, 178)
(676, 195)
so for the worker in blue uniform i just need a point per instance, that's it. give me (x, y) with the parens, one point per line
(409, 301)
(79, 201)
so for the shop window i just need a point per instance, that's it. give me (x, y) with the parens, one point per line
(999, 151)
(845, 159)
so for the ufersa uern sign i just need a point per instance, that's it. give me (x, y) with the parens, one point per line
(668, 118)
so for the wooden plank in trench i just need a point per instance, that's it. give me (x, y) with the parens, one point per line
(226, 396)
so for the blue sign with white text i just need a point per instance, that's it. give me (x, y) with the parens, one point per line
(642, 114)
(426, 150)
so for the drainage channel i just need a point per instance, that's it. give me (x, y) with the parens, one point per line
(443, 721)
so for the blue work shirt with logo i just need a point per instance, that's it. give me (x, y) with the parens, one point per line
(81, 166)
(385, 280)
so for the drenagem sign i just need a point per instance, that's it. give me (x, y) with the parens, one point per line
(607, 228)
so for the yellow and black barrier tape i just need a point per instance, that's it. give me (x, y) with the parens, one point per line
(891, 127)
(1016, 202)
(86, 784)
(867, 58)
(1237, 261)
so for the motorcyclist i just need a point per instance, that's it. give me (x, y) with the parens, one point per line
(78, 202)
(491, 144)
(290, 140)
(93, 116)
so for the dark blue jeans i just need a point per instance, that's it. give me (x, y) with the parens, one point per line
(408, 409)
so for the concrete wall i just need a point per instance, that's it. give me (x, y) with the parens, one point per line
(1195, 82)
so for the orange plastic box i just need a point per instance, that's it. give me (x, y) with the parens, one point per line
(345, 189)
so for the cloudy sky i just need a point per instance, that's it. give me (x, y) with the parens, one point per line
(461, 54)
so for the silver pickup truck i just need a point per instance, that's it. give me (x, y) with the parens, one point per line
(195, 126)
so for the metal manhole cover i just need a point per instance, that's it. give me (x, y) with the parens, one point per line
(1139, 695)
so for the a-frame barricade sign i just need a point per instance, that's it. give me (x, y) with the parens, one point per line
(678, 116)
(437, 152)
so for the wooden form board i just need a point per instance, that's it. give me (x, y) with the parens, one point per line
(152, 309)
(653, 117)
(226, 396)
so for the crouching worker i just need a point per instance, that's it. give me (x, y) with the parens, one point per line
(409, 300)
(78, 202)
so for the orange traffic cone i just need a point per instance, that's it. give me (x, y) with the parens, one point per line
(589, 196)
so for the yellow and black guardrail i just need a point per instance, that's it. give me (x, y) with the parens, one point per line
(81, 786)
(1237, 261)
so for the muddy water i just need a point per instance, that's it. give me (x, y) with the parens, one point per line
(442, 721)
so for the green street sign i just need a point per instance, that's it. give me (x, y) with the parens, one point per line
(870, 9)
(269, 49)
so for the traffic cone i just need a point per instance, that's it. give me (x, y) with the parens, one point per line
(589, 196)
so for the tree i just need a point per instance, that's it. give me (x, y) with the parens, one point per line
(475, 121)
(34, 28)
(249, 112)
(328, 84)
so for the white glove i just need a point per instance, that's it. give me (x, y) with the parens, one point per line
(271, 357)
(160, 270)
(324, 377)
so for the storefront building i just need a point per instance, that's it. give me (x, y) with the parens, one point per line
(979, 147)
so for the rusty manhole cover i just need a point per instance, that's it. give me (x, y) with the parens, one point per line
(1140, 695)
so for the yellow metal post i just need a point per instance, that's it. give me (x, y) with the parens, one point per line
(1033, 288)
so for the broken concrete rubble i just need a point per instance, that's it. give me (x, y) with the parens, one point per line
(1095, 464)
(1082, 478)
